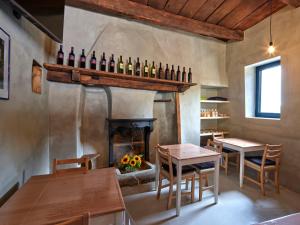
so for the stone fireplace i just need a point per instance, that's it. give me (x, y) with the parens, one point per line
(129, 136)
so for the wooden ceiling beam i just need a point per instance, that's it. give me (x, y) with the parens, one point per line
(294, 3)
(150, 15)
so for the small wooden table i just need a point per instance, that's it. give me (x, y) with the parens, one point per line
(49, 199)
(241, 146)
(188, 154)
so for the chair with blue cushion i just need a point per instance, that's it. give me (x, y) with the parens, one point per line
(204, 169)
(227, 154)
(168, 171)
(268, 162)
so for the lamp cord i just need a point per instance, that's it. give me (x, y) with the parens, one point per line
(271, 6)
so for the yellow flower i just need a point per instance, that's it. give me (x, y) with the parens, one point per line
(137, 158)
(132, 162)
(125, 159)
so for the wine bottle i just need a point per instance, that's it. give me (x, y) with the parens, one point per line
(167, 71)
(82, 60)
(129, 67)
(146, 69)
(60, 56)
(103, 63)
(120, 65)
(153, 71)
(160, 72)
(71, 61)
(172, 73)
(112, 64)
(138, 67)
(93, 61)
(183, 76)
(190, 75)
(178, 74)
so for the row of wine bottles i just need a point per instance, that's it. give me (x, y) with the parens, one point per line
(129, 68)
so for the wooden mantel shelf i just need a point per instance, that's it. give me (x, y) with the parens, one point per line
(67, 74)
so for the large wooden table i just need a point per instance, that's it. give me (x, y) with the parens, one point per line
(49, 199)
(241, 146)
(188, 154)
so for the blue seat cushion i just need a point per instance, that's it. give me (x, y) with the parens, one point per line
(258, 160)
(204, 166)
(228, 150)
(185, 169)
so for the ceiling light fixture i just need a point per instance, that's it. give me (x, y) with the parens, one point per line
(271, 48)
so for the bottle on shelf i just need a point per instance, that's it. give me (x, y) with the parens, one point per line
(129, 67)
(60, 56)
(183, 76)
(146, 69)
(167, 71)
(93, 61)
(120, 65)
(153, 71)
(71, 60)
(103, 63)
(178, 74)
(190, 75)
(138, 67)
(160, 72)
(172, 73)
(82, 60)
(112, 64)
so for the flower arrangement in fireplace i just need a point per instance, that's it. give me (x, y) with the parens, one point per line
(131, 163)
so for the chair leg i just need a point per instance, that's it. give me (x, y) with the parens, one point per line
(159, 187)
(277, 181)
(200, 187)
(170, 194)
(262, 182)
(206, 180)
(187, 184)
(193, 189)
(226, 164)
(238, 163)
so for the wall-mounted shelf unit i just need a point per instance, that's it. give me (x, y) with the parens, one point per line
(213, 124)
(67, 74)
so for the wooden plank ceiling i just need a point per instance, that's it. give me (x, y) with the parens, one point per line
(222, 19)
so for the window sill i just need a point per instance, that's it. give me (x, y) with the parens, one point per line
(262, 118)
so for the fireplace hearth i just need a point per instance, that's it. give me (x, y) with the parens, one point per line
(129, 136)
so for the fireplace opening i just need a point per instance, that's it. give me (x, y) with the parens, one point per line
(129, 137)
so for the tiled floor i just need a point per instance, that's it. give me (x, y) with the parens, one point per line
(236, 206)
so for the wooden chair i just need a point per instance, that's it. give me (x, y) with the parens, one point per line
(268, 162)
(204, 169)
(77, 220)
(227, 154)
(168, 171)
(84, 162)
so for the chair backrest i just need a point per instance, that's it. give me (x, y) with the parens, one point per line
(214, 146)
(165, 160)
(218, 135)
(77, 220)
(83, 162)
(272, 152)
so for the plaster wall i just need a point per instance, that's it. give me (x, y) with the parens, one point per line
(102, 33)
(286, 35)
(24, 117)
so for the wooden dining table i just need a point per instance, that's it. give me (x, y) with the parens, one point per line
(242, 146)
(188, 154)
(50, 199)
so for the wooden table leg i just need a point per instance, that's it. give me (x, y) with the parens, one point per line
(178, 188)
(156, 170)
(216, 180)
(242, 158)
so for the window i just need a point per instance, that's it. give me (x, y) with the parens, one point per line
(268, 90)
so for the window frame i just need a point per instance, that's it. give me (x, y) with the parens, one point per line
(259, 70)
